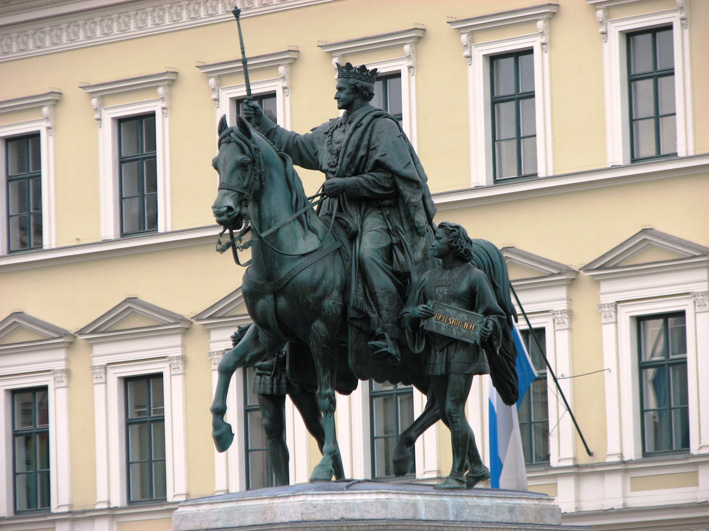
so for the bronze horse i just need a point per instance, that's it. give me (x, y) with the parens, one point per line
(295, 289)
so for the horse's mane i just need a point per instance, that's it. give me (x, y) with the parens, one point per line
(273, 157)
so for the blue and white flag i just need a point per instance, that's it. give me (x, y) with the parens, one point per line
(507, 467)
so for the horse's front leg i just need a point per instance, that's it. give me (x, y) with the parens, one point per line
(250, 350)
(404, 452)
(323, 345)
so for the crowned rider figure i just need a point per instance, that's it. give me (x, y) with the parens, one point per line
(377, 187)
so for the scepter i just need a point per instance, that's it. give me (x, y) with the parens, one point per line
(236, 12)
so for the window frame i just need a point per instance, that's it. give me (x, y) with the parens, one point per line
(26, 178)
(248, 375)
(542, 376)
(615, 53)
(396, 391)
(45, 127)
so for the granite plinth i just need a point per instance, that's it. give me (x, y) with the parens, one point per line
(348, 505)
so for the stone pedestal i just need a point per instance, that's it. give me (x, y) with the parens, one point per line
(351, 505)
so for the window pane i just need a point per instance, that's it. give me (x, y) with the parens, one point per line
(150, 174)
(159, 481)
(130, 185)
(678, 336)
(644, 138)
(257, 435)
(36, 220)
(680, 429)
(17, 156)
(139, 488)
(23, 409)
(35, 194)
(157, 401)
(641, 53)
(25, 492)
(137, 398)
(129, 137)
(158, 436)
(655, 391)
(505, 121)
(42, 451)
(643, 98)
(149, 134)
(652, 338)
(35, 154)
(528, 122)
(541, 442)
(385, 386)
(25, 454)
(406, 411)
(131, 215)
(666, 96)
(384, 416)
(17, 200)
(42, 417)
(678, 376)
(539, 400)
(19, 236)
(503, 72)
(258, 470)
(668, 135)
(529, 156)
(269, 108)
(43, 486)
(506, 159)
(378, 99)
(251, 397)
(665, 50)
(138, 442)
(394, 93)
(526, 73)
(383, 450)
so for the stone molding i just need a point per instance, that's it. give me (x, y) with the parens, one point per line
(99, 372)
(701, 301)
(562, 319)
(45, 102)
(608, 312)
(215, 356)
(34, 36)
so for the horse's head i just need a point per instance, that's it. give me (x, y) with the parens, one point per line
(240, 172)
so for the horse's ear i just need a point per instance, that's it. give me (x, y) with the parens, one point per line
(243, 126)
(223, 125)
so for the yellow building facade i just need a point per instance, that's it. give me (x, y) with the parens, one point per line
(572, 134)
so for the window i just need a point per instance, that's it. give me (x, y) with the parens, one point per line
(392, 411)
(24, 193)
(514, 137)
(662, 348)
(533, 411)
(145, 438)
(651, 92)
(138, 174)
(387, 95)
(258, 471)
(30, 421)
(266, 101)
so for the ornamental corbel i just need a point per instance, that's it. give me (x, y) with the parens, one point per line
(61, 377)
(48, 114)
(602, 18)
(97, 104)
(466, 40)
(99, 372)
(163, 93)
(701, 301)
(214, 84)
(410, 54)
(543, 30)
(608, 312)
(683, 7)
(562, 319)
(284, 75)
(177, 364)
(215, 356)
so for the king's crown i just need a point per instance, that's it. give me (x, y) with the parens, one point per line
(360, 73)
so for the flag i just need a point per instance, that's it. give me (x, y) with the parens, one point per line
(507, 467)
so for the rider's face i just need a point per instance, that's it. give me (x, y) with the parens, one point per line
(344, 95)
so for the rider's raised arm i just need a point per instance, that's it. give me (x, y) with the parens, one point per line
(303, 149)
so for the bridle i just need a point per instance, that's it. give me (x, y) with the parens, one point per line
(246, 192)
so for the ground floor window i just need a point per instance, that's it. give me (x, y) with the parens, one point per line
(30, 422)
(391, 412)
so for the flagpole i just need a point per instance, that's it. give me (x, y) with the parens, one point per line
(236, 12)
(551, 371)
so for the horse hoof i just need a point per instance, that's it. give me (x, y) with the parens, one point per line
(322, 472)
(403, 460)
(223, 437)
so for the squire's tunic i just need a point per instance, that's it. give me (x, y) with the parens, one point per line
(462, 286)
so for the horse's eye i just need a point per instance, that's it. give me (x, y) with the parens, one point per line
(244, 164)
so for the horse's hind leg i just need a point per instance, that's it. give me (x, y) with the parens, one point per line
(323, 345)
(254, 347)
(404, 452)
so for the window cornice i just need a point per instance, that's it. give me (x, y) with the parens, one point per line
(35, 101)
(505, 18)
(132, 83)
(374, 42)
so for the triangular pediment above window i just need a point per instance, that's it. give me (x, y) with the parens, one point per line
(649, 246)
(230, 309)
(18, 328)
(523, 265)
(134, 314)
